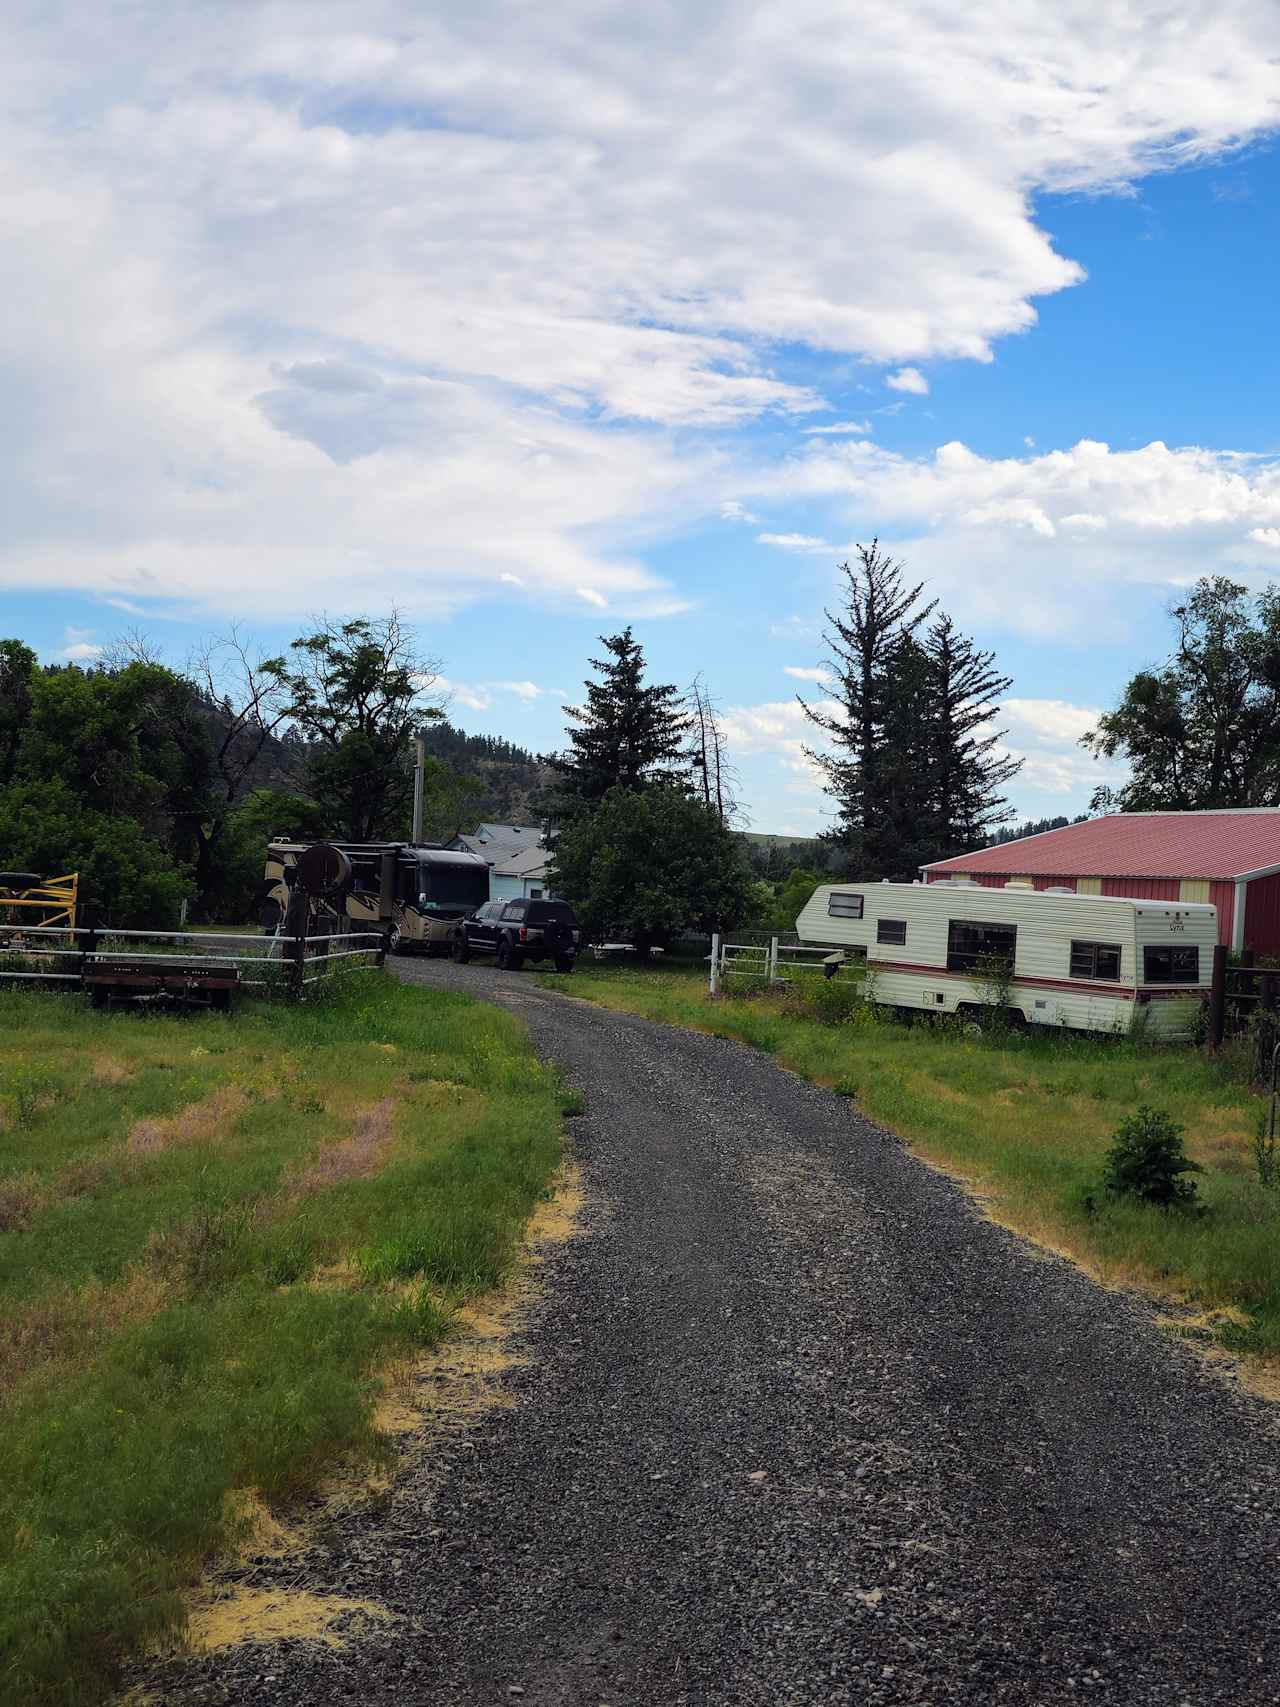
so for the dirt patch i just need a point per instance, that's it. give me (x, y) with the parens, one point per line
(70, 1327)
(357, 1156)
(198, 1123)
(108, 1070)
(20, 1200)
(277, 1615)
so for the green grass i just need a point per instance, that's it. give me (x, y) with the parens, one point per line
(214, 1233)
(1024, 1119)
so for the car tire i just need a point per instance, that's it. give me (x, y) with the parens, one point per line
(460, 953)
(508, 959)
(564, 963)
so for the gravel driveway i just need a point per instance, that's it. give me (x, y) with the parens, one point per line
(799, 1426)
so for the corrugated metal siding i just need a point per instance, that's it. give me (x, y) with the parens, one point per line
(1194, 889)
(1088, 886)
(1262, 915)
(1223, 896)
(1143, 888)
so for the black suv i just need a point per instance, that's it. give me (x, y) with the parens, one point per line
(516, 931)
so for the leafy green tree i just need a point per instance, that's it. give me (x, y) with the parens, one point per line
(1203, 730)
(17, 676)
(789, 898)
(263, 813)
(630, 734)
(358, 691)
(124, 871)
(650, 863)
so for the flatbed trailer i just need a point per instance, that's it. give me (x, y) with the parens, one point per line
(191, 982)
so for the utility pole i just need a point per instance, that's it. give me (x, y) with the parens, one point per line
(419, 773)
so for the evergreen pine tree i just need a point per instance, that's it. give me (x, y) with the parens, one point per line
(629, 734)
(867, 775)
(963, 763)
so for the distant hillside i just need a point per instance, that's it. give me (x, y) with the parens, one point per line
(1033, 827)
(512, 780)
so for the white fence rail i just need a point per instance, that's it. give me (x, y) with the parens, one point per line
(77, 953)
(774, 961)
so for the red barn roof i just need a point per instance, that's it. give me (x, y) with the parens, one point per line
(1222, 845)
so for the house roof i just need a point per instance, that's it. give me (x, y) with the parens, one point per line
(498, 843)
(1223, 845)
(530, 862)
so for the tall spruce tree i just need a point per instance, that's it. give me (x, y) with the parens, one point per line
(964, 764)
(917, 770)
(874, 674)
(629, 734)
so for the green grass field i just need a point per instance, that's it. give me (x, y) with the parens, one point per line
(1024, 1119)
(214, 1233)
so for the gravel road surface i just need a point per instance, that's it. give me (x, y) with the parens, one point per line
(798, 1426)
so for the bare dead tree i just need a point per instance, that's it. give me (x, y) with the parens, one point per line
(252, 695)
(714, 775)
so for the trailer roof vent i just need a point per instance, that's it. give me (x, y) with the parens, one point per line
(1019, 883)
(1058, 891)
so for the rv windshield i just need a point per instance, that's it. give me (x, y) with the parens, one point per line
(449, 885)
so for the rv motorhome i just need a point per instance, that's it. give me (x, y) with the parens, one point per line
(1089, 962)
(431, 889)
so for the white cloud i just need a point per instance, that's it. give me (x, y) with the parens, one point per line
(732, 511)
(1265, 536)
(592, 597)
(473, 696)
(806, 543)
(908, 379)
(839, 429)
(82, 652)
(301, 310)
(1044, 542)
(803, 674)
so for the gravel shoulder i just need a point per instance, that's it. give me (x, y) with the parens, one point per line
(796, 1425)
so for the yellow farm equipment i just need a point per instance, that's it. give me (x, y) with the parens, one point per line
(29, 901)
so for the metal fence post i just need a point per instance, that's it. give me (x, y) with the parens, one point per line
(1218, 998)
(773, 959)
(715, 963)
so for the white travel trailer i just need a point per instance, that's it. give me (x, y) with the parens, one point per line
(1089, 962)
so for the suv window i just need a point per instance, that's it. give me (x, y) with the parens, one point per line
(542, 912)
(490, 910)
(514, 909)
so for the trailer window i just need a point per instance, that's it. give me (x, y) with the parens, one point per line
(973, 944)
(844, 906)
(1170, 965)
(1095, 960)
(891, 930)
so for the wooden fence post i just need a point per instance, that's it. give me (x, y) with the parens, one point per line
(773, 959)
(1218, 998)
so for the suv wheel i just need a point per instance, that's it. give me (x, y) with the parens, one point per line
(564, 963)
(508, 959)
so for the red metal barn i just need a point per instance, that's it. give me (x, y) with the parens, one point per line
(1231, 858)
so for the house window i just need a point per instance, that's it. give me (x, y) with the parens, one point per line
(844, 906)
(973, 944)
(891, 930)
(1170, 965)
(535, 894)
(1095, 960)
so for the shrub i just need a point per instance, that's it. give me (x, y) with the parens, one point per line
(1147, 1161)
(1265, 1157)
(834, 1001)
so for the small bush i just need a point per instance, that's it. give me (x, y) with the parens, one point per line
(833, 1001)
(1147, 1161)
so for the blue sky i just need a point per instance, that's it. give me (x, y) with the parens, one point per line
(533, 338)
